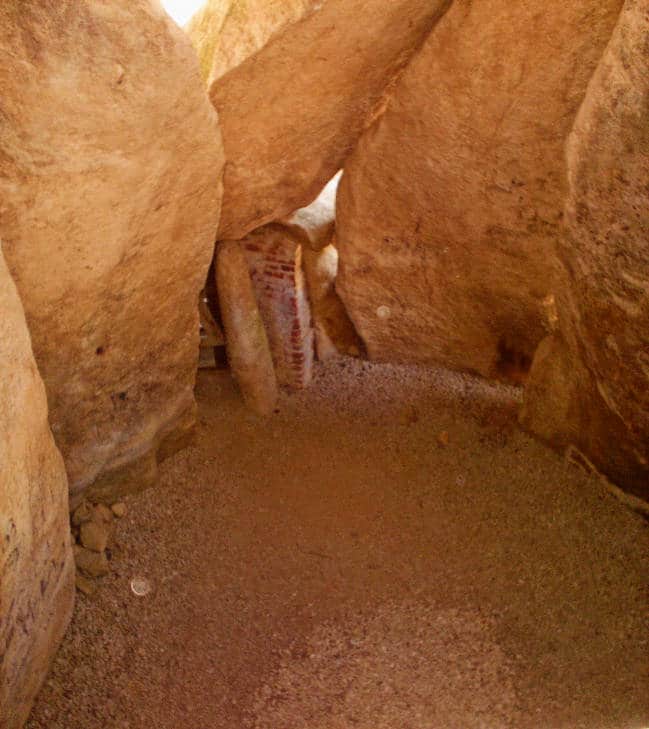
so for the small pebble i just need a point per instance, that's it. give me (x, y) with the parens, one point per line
(92, 564)
(94, 536)
(84, 585)
(119, 509)
(102, 513)
(82, 514)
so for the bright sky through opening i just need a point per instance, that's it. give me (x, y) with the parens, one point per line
(181, 10)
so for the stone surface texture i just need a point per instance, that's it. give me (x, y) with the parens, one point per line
(36, 567)
(292, 112)
(334, 331)
(450, 204)
(245, 336)
(226, 32)
(110, 166)
(318, 220)
(589, 384)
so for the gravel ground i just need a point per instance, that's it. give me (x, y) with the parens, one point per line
(387, 551)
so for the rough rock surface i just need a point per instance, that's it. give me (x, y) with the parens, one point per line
(318, 220)
(246, 340)
(589, 383)
(274, 256)
(36, 567)
(226, 32)
(108, 208)
(308, 94)
(449, 205)
(334, 332)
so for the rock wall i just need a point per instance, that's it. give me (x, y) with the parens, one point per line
(292, 113)
(226, 32)
(36, 566)
(110, 167)
(449, 207)
(589, 384)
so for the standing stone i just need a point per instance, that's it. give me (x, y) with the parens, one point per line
(246, 342)
(36, 566)
(449, 206)
(274, 255)
(589, 384)
(110, 165)
(293, 111)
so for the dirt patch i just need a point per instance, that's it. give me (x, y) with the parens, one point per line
(344, 564)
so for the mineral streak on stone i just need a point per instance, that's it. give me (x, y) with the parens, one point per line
(292, 112)
(36, 566)
(110, 166)
(246, 341)
(589, 384)
(450, 204)
(274, 255)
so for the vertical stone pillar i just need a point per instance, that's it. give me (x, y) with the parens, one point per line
(246, 341)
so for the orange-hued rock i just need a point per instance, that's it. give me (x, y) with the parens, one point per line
(317, 221)
(110, 166)
(589, 384)
(245, 337)
(226, 32)
(292, 112)
(36, 565)
(449, 205)
(334, 332)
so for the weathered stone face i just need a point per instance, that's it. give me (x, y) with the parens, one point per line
(36, 566)
(246, 340)
(449, 206)
(226, 32)
(110, 164)
(306, 97)
(334, 332)
(589, 384)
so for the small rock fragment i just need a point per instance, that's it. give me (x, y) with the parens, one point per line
(82, 514)
(443, 439)
(101, 513)
(84, 585)
(94, 536)
(119, 509)
(91, 564)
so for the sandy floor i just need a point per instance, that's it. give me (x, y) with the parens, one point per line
(337, 566)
